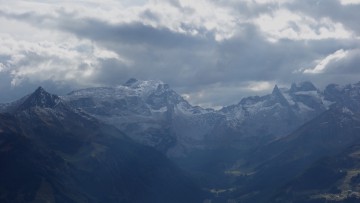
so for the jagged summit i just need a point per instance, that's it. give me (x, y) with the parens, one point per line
(133, 87)
(133, 82)
(40, 98)
(276, 90)
(130, 82)
(40, 89)
(303, 86)
(278, 96)
(144, 85)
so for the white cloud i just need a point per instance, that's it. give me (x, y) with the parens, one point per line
(284, 24)
(258, 2)
(74, 61)
(209, 96)
(259, 86)
(322, 64)
(189, 17)
(2, 67)
(270, 1)
(347, 2)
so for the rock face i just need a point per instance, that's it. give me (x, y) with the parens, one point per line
(277, 114)
(155, 115)
(51, 152)
(150, 112)
(348, 95)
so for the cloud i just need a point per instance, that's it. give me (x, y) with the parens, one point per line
(208, 96)
(60, 62)
(341, 66)
(212, 51)
(260, 86)
(324, 63)
(336, 10)
(286, 24)
(135, 33)
(346, 2)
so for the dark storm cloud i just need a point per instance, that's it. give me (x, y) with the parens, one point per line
(251, 56)
(111, 73)
(156, 53)
(131, 33)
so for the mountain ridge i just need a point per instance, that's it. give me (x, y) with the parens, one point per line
(157, 116)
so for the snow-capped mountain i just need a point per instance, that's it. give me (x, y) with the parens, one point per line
(154, 114)
(150, 112)
(347, 95)
(41, 98)
(38, 99)
(276, 114)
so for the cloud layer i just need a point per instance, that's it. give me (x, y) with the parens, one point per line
(212, 51)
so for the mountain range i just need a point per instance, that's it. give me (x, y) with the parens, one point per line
(262, 149)
(153, 114)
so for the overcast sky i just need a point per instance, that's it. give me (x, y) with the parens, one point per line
(213, 52)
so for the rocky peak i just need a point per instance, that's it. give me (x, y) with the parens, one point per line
(250, 100)
(303, 86)
(331, 91)
(278, 96)
(135, 83)
(276, 91)
(40, 98)
(130, 82)
(346, 96)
